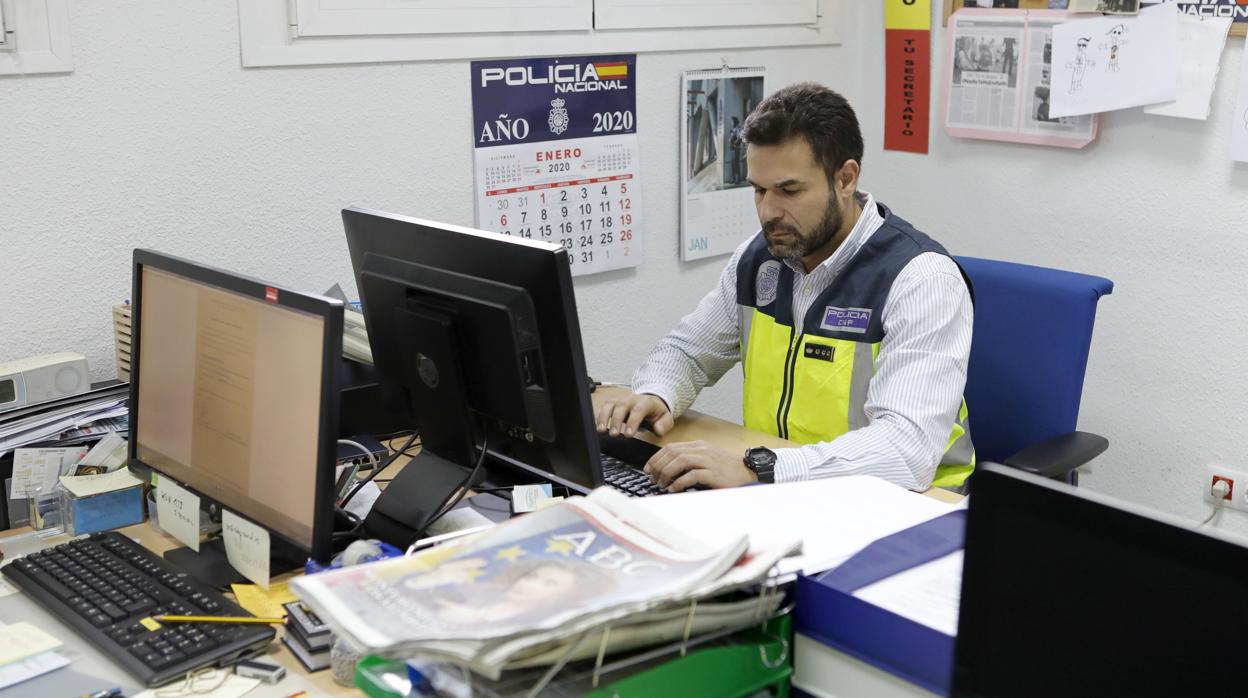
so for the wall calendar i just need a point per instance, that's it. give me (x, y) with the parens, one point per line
(556, 155)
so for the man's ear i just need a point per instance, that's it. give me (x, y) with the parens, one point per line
(847, 177)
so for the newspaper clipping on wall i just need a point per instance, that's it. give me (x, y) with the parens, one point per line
(1000, 71)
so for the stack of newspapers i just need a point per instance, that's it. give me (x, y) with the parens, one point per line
(590, 574)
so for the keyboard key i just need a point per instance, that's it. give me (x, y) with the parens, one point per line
(114, 611)
(46, 581)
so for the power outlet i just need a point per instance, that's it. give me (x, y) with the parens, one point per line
(1238, 481)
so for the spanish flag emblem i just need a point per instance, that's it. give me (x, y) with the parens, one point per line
(611, 71)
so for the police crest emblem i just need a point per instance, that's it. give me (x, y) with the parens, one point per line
(558, 119)
(767, 282)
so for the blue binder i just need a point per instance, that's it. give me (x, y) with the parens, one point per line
(827, 611)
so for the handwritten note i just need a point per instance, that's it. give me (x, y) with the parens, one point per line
(246, 547)
(87, 485)
(177, 512)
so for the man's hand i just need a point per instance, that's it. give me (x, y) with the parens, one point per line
(624, 415)
(679, 466)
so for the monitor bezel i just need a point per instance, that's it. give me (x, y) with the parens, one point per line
(995, 487)
(329, 310)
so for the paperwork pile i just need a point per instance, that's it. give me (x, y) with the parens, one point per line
(533, 589)
(66, 422)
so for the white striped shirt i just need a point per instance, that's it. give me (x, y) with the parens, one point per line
(914, 396)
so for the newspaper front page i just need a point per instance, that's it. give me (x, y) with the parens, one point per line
(591, 557)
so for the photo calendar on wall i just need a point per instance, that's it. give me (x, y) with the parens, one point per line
(555, 143)
(717, 202)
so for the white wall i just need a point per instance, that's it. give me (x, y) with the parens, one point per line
(1156, 205)
(159, 138)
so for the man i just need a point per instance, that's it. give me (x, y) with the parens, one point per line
(736, 143)
(853, 327)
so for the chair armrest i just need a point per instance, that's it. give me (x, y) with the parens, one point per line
(1057, 456)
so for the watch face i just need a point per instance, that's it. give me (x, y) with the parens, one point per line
(761, 458)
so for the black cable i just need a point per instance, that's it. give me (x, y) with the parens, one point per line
(393, 435)
(407, 451)
(463, 488)
(377, 469)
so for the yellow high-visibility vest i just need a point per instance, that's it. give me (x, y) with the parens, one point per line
(807, 380)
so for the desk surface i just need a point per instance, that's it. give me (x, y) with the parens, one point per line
(692, 426)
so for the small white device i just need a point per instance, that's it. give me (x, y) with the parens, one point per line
(42, 378)
(268, 673)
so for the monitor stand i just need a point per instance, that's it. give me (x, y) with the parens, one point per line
(211, 565)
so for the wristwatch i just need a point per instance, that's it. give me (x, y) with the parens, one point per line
(762, 461)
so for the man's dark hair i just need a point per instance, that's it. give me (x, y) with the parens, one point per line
(814, 112)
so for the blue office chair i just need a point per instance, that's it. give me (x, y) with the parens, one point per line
(1033, 329)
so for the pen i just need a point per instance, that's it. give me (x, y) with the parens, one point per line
(104, 693)
(217, 619)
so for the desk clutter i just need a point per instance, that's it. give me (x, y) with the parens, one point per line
(590, 576)
(58, 442)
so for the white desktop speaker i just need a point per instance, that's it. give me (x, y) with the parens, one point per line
(42, 378)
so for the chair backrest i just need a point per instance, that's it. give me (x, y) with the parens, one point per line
(1033, 329)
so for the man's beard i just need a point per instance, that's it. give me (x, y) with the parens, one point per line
(799, 245)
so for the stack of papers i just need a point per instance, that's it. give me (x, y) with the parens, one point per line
(67, 421)
(834, 517)
(27, 652)
(524, 592)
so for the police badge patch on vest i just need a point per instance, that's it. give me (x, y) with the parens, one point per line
(819, 351)
(855, 320)
(766, 282)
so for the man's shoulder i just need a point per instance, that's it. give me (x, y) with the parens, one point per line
(901, 230)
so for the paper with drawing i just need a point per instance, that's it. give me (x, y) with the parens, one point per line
(1115, 62)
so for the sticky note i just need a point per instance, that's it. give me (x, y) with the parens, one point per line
(265, 604)
(22, 640)
(90, 485)
(150, 623)
(177, 512)
(246, 547)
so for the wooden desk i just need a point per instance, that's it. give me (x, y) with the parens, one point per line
(693, 426)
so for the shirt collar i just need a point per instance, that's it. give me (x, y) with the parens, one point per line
(868, 222)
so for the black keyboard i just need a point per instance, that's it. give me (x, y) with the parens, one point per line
(630, 480)
(622, 460)
(105, 585)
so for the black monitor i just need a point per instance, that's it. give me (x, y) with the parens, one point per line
(493, 317)
(233, 394)
(1067, 592)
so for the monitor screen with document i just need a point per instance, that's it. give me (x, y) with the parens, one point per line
(233, 394)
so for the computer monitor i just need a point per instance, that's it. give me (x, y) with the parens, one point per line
(495, 315)
(233, 395)
(1068, 592)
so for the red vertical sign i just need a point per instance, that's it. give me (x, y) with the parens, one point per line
(907, 74)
